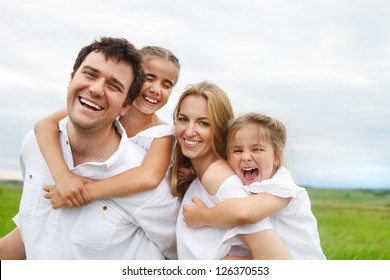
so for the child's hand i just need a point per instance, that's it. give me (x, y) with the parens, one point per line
(54, 196)
(72, 190)
(193, 215)
(185, 175)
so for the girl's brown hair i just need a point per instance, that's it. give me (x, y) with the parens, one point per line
(149, 52)
(270, 130)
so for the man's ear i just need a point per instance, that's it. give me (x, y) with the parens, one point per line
(124, 109)
(70, 78)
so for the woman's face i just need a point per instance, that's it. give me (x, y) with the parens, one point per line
(160, 77)
(193, 129)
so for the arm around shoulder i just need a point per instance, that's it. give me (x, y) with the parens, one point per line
(254, 208)
(139, 179)
(235, 211)
(70, 187)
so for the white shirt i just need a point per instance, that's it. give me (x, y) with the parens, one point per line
(209, 243)
(295, 224)
(139, 226)
(145, 137)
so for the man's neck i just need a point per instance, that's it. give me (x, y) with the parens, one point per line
(92, 147)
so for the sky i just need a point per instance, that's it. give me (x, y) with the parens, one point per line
(320, 67)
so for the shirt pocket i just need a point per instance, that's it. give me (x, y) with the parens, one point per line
(32, 192)
(95, 226)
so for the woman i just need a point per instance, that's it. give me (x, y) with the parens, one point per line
(201, 117)
(256, 144)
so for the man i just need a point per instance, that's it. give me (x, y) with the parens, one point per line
(106, 77)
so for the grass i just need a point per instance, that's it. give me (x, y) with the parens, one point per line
(10, 195)
(353, 224)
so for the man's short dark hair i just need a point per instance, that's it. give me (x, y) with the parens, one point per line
(122, 50)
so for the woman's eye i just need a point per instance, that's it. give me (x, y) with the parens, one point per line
(204, 123)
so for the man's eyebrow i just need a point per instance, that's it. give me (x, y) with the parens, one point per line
(90, 68)
(115, 80)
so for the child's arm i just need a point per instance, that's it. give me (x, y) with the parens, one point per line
(139, 179)
(70, 186)
(51, 192)
(233, 211)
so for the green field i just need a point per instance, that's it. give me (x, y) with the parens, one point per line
(10, 193)
(353, 224)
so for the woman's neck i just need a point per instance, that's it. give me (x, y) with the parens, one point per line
(201, 165)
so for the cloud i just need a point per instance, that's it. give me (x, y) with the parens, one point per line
(321, 67)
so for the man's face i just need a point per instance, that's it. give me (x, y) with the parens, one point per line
(97, 92)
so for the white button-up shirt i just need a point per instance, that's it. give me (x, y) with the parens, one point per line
(138, 226)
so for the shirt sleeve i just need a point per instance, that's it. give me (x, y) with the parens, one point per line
(281, 184)
(231, 188)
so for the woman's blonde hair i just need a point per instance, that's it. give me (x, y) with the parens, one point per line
(220, 112)
(270, 130)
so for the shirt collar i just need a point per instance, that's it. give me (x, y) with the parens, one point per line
(112, 161)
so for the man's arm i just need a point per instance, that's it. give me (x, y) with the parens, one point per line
(12, 246)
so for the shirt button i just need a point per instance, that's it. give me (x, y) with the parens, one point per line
(30, 176)
(105, 207)
(67, 142)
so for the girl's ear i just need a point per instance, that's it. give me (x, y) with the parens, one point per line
(278, 158)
